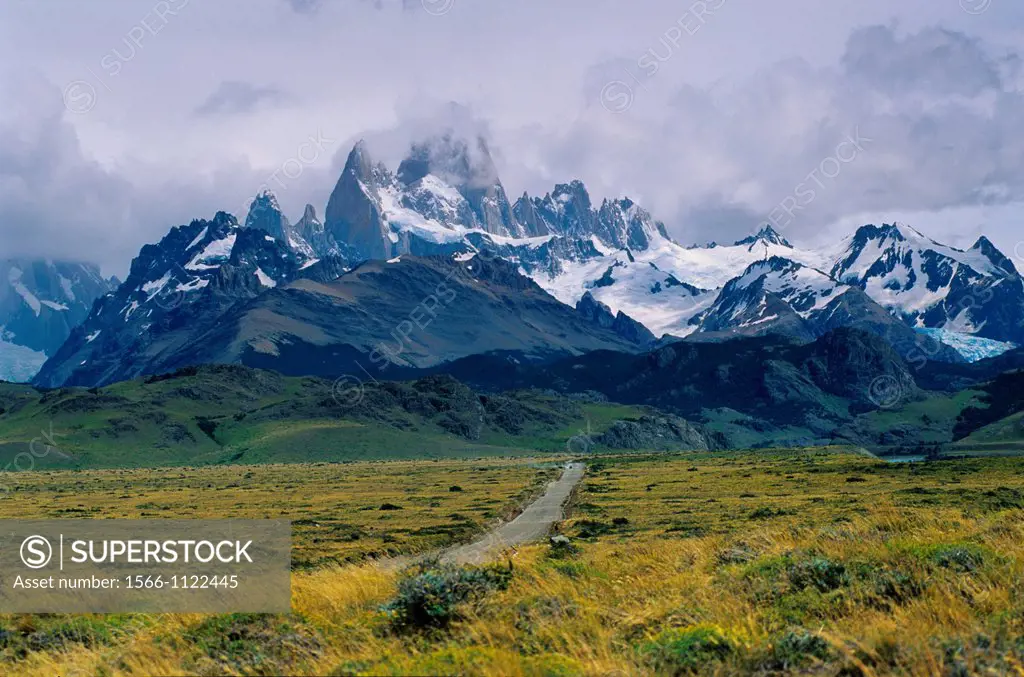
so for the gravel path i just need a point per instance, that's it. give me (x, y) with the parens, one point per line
(533, 524)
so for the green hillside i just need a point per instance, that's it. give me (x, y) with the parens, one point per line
(229, 414)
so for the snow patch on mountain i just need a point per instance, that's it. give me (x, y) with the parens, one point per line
(265, 279)
(215, 253)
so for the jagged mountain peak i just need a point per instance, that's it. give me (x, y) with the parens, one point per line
(268, 198)
(574, 191)
(265, 214)
(896, 232)
(361, 166)
(985, 247)
(188, 278)
(309, 215)
(766, 234)
(359, 156)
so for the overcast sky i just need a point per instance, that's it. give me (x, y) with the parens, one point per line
(122, 118)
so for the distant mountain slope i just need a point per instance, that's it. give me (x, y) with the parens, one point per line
(780, 390)
(1001, 398)
(608, 257)
(40, 303)
(977, 291)
(248, 299)
(174, 288)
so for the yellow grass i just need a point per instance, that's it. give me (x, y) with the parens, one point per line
(711, 546)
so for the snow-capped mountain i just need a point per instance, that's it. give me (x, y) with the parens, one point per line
(446, 195)
(265, 214)
(771, 295)
(931, 285)
(40, 303)
(446, 198)
(189, 277)
(612, 262)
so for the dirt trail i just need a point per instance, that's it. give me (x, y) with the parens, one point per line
(532, 524)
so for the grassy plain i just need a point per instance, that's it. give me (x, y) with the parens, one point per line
(335, 508)
(809, 562)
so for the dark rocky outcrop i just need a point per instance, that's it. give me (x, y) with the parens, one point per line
(662, 433)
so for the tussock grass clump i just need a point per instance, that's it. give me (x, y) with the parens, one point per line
(431, 593)
(253, 644)
(819, 573)
(798, 648)
(682, 651)
(59, 632)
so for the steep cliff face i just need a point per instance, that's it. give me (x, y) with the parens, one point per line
(354, 212)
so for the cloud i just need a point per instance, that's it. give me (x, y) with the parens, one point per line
(933, 61)
(58, 203)
(305, 6)
(936, 113)
(313, 6)
(736, 118)
(238, 98)
(925, 125)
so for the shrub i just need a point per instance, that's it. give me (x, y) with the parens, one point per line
(797, 648)
(962, 558)
(253, 644)
(562, 547)
(454, 488)
(390, 506)
(894, 585)
(681, 651)
(592, 528)
(820, 573)
(740, 554)
(430, 593)
(766, 512)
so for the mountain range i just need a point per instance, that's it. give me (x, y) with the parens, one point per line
(433, 262)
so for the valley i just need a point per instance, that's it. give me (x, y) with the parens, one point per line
(523, 339)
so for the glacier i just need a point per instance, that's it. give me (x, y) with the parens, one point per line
(973, 348)
(18, 364)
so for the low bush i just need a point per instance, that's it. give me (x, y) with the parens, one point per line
(430, 593)
(681, 651)
(796, 649)
(820, 573)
